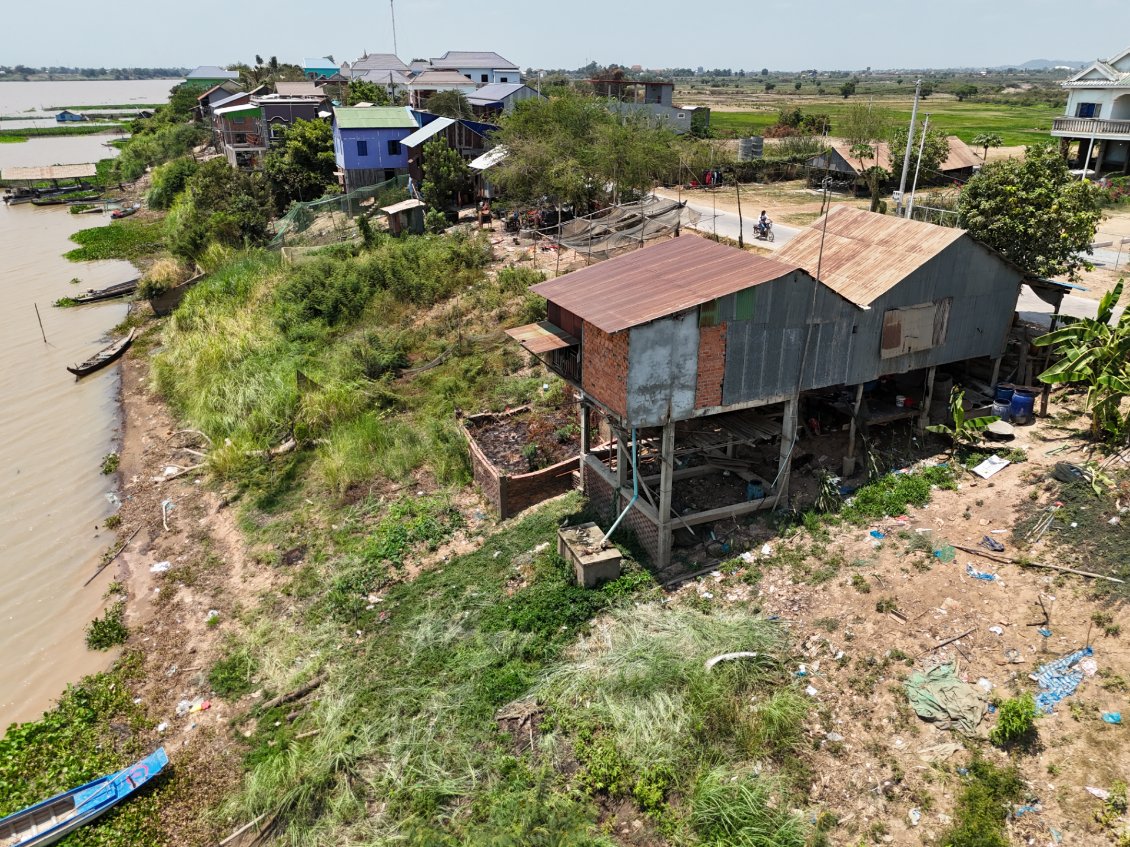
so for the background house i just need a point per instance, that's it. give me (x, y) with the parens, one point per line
(651, 99)
(207, 100)
(207, 76)
(319, 68)
(703, 353)
(367, 143)
(1094, 132)
(378, 62)
(422, 87)
(838, 162)
(499, 98)
(280, 110)
(482, 68)
(468, 138)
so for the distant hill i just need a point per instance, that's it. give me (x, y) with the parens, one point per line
(1044, 64)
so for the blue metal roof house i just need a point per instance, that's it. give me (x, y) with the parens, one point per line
(367, 143)
(67, 116)
(320, 68)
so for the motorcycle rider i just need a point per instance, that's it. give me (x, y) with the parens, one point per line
(763, 224)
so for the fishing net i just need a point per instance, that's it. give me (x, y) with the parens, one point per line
(623, 227)
(332, 218)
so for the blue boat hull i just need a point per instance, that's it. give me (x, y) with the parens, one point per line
(53, 819)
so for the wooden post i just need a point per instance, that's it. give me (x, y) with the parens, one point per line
(788, 436)
(996, 374)
(927, 399)
(849, 459)
(666, 487)
(1046, 393)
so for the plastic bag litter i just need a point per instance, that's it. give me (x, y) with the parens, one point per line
(939, 695)
(990, 543)
(160, 567)
(1059, 679)
(946, 553)
(982, 575)
(1112, 717)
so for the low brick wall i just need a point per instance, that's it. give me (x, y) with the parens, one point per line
(603, 499)
(511, 494)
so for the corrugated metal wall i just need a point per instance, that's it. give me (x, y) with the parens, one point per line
(663, 369)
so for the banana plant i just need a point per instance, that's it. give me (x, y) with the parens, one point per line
(1096, 352)
(965, 431)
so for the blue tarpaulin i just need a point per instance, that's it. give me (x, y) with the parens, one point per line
(1060, 678)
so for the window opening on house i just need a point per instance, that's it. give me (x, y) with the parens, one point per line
(394, 147)
(483, 77)
(362, 147)
(1087, 110)
(914, 328)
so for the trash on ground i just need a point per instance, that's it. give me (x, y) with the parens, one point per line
(811, 692)
(1059, 679)
(939, 695)
(1027, 809)
(766, 550)
(1090, 666)
(1067, 472)
(990, 466)
(985, 685)
(213, 614)
(915, 816)
(990, 543)
(160, 567)
(982, 575)
(1101, 793)
(877, 535)
(1013, 656)
(161, 727)
(1044, 631)
(996, 630)
(1112, 717)
(945, 553)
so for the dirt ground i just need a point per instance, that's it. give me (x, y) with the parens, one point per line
(884, 613)
(552, 431)
(195, 535)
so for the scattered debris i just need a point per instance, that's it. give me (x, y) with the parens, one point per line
(1112, 717)
(990, 543)
(729, 657)
(1101, 793)
(990, 466)
(982, 575)
(160, 567)
(939, 752)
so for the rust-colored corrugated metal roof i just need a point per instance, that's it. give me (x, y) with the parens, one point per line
(542, 337)
(959, 158)
(658, 280)
(864, 253)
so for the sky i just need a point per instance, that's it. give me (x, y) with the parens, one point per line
(780, 35)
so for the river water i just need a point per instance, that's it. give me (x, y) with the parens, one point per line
(19, 97)
(54, 431)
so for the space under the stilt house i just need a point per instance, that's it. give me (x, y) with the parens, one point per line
(722, 374)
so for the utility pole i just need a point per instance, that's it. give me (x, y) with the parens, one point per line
(899, 207)
(917, 167)
(392, 7)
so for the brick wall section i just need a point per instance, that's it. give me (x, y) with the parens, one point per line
(711, 366)
(604, 367)
(603, 500)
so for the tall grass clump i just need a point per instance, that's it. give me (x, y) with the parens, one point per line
(736, 808)
(644, 711)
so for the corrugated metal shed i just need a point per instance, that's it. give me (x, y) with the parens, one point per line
(495, 92)
(865, 254)
(50, 172)
(657, 281)
(374, 117)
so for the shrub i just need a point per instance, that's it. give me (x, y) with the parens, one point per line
(1016, 722)
(162, 276)
(169, 181)
(109, 463)
(109, 630)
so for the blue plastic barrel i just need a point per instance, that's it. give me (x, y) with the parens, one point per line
(1021, 407)
(1002, 410)
(1004, 393)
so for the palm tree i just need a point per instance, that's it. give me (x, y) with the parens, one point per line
(987, 140)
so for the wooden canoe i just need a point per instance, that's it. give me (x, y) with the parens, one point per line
(52, 820)
(121, 289)
(102, 358)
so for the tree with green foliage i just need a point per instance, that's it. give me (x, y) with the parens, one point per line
(169, 181)
(1096, 353)
(363, 91)
(935, 151)
(847, 89)
(1033, 212)
(964, 91)
(219, 205)
(985, 140)
(302, 165)
(632, 155)
(450, 104)
(446, 175)
(864, 127)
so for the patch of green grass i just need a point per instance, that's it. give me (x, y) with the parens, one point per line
(125, 239)
(889, 495)
(65, 129)
(860, 583)
(12, 139)
(233, 675)
(94, 730)
(982, 807)
(740, 808)
(1016, 722)
(1015, 124)
(112, 521)
(110, 463)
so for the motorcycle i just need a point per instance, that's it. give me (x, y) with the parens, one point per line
(766, 233)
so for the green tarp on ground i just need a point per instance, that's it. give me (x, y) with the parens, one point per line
(938, 695)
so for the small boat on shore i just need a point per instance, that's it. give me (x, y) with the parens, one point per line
(121, 289)
(52, 820)
(118, 214)
(103, 357)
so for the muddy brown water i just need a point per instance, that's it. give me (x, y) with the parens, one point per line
(54, 431)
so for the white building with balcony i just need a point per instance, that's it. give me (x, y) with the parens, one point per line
(1094, 132)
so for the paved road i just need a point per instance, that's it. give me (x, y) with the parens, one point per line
(726, 224)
